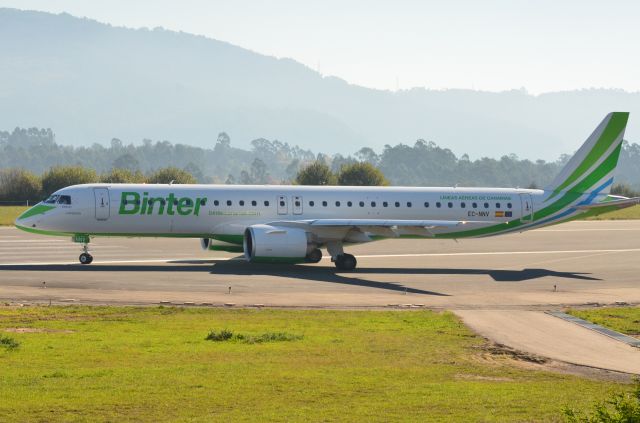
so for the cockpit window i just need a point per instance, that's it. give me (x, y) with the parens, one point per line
(64, 199)
(52, 199)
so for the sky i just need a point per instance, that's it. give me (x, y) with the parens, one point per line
(490, 45)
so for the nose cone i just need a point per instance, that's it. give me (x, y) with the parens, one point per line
(30, 217)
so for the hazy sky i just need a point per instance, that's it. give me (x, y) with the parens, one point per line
(543, 45)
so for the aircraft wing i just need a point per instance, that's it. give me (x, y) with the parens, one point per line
(619, 203)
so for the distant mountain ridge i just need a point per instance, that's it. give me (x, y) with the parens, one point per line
(91, 82)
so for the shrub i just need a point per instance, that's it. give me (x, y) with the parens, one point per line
(123, 176)
(62, 176)
(361, 174)
(620, 407)
(317, 173)
(8, 343)
(226, 335)
(19, 185)
(223, 335)
(167, 174)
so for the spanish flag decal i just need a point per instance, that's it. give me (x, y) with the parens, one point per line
(499, 214)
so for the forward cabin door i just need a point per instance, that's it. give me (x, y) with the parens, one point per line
(297, 204)
(527, 208)
(282, 204)
(102, 203)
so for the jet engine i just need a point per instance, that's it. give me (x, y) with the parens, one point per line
(217, 245)
(265, 243)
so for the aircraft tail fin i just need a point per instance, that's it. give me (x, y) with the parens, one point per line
(591, 168)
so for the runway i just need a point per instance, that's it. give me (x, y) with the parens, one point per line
(499, 286)
(571, 264)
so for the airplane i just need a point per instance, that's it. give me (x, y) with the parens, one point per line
(291, 223)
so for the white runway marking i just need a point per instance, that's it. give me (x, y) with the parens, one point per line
(206, 259)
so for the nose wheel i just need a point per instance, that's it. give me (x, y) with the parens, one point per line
(85, 258)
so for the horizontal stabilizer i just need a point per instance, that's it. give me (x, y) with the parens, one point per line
(620, 203)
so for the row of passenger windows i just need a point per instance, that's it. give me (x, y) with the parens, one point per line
(409, 204)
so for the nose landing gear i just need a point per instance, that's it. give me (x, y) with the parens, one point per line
(85, 257)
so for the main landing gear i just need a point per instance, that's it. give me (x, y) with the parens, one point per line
(346, 262)
(342, 260)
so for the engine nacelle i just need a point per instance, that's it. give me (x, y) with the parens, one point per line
(217, 245)
(275, 244)
(205, 243)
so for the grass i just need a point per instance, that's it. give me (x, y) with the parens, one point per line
(622, 319)
(153, 364)
(8, 214)
(629, 213)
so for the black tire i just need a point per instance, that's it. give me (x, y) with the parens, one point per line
(346, 262)
(85, 258)
(314, 256)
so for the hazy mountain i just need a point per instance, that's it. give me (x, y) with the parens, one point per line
(92, 82)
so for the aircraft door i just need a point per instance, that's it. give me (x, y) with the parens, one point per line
(297, 204)
(527, 208)
(282, 204)
(102, 203)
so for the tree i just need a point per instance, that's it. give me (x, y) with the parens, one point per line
(256, 175)
(62, 176)
(123, 176)
(624, 189)
(19, 185)
(170, 174)
(126, 161)
(361, 174)
(317, 173)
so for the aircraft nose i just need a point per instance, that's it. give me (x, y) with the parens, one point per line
(31, 215)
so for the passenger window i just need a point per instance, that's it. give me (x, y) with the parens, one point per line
(64, 199)
(426, 204)
(254, 203)
(337, 203)
(475, 205)
(361, 203)
(486, 205)
(216, 202)
(297, 203)
(311, 203)
(203, 201)
(324, 204)
(497, 205)
(385, 204)
(241, 202)
(229, 202)
(409, 204)
(509, 205)
(438, 204)
(450, 204)
(373, 204)
(397, 204)
(281, 203)
(175, 202)
(463, 205)
(349, 204)
(266, 203)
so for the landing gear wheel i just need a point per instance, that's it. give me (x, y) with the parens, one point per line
(85, 258)
(314, 256)
(346, 262)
